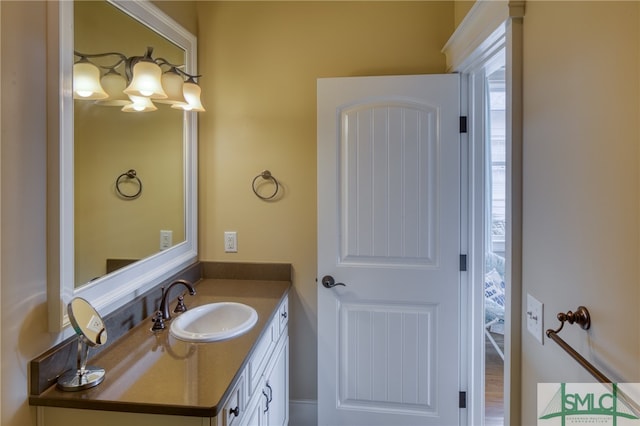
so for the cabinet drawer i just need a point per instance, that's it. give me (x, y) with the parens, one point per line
(234, 407)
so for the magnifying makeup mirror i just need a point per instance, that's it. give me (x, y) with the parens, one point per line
(91, 331)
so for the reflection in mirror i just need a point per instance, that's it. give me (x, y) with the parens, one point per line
(87, 322)
(91, 331)
(112, 142)
(113, 230)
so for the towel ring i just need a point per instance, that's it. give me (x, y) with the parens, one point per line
(131, 174)
(266, 175)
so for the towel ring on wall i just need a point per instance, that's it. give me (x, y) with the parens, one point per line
(131, 174)
(266, 175)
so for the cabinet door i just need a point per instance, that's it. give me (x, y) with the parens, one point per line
(255, 414)
(277, 387)
(258, 407)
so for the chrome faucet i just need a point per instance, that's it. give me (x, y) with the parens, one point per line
(164, 304)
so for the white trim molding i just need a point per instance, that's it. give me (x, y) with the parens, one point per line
(303, 412)
(480, 29)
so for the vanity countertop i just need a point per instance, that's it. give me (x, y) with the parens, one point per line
(150, 372)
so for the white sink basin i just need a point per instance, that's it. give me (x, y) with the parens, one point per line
(213, 322)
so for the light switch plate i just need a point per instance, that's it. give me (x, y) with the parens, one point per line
(534, 317)
(166, 239)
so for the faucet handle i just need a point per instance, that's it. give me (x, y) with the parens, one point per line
(180, 307)
(158, 321)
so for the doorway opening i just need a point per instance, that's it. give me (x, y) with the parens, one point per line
(495, 226)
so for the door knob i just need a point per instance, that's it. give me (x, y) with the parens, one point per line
(329, 282)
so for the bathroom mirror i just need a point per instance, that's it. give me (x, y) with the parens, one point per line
(119, 219)
(71, 237)
(91, 331)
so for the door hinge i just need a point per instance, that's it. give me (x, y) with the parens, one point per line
(462, 399)
(463, 263)
(463, 124)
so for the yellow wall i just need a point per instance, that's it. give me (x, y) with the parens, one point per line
(581, 186)
(23, 313)
(260, 62)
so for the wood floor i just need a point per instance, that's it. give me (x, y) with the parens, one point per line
(494, 385)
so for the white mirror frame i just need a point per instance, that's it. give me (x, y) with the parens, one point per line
(113, 290)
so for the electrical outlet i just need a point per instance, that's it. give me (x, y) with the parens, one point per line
(534, 318)
(230, 242)
(166, 239)
(95, 324)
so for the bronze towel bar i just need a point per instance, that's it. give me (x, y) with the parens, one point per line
(583, 319)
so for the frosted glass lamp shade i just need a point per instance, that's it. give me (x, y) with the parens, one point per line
(146, 81)
(172, 83)
(86, 81)
(139, 104)
(191, 93)
(114, 84)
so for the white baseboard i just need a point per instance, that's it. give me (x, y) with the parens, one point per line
(303, 412)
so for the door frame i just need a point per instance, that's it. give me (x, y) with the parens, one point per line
(489, 27)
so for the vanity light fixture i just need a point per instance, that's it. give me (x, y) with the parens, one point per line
(86, 83)
(113, 84)
(173, 83)
(144, 82)
(139, 104)
(191, 92)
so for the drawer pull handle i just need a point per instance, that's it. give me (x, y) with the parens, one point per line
(234, 411)
(270, 393)
(284, 315)
(266, 397)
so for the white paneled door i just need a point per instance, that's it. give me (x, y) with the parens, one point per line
(388, 250)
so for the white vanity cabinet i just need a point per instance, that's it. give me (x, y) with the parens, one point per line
(268, 370)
